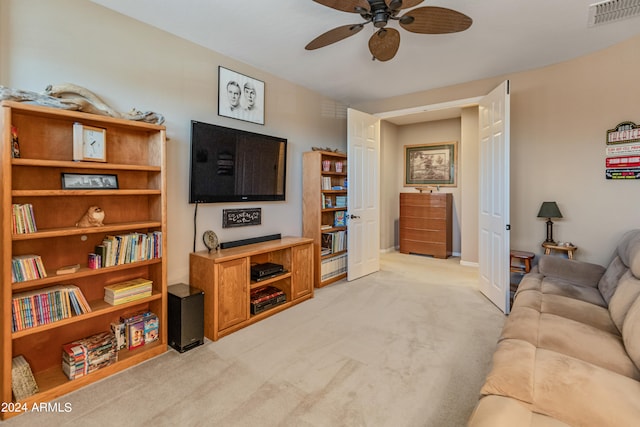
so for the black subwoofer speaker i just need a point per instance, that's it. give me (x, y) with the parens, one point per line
(186, 317)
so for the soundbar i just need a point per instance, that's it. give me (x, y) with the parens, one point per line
(234, 243)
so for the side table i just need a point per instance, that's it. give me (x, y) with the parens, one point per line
(569, 249)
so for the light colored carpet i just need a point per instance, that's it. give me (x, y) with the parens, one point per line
(407, 346)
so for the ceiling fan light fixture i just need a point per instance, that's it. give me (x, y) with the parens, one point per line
(380, 19)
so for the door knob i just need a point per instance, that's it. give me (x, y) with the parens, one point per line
(354, 216)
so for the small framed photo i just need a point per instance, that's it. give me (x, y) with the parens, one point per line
(85, 181)
(89, 143)
(431, 164)
(240, 97)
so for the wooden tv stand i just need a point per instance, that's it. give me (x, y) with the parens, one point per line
(225, 278)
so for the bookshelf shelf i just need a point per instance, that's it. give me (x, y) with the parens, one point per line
(81, 273)
(68, 231)
(135, 153)
(317, 215)
(98, 308)
(58, 193)
(53, 383)
(83, 165)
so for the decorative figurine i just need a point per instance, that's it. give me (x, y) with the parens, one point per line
(92, 218)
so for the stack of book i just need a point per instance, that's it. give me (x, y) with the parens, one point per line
(22, 219)
(265, 298)
(47, 305)
(89, 354)
(27, 267)
(131, 290)
(341, 201)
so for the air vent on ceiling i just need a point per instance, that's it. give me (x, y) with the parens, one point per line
(612, 10)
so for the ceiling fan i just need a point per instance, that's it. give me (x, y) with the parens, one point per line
(384, 43)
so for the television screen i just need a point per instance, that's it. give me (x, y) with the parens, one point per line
(231, 165)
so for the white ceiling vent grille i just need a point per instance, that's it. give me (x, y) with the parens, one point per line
(612, 10)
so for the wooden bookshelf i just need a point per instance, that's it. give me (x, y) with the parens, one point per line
(318, 217)
(136, 154)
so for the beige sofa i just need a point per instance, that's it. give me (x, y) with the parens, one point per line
(569, 352)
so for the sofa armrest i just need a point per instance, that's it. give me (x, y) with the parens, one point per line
(577, 272)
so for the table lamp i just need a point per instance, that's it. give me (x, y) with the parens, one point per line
(549, 210)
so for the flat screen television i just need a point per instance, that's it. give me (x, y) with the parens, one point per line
(231, 165)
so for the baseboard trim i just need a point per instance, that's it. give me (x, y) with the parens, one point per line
(469, 264)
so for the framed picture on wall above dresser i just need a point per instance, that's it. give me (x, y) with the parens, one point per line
(433, 164)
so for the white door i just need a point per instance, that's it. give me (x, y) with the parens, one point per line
(494, 196)
(363, 235)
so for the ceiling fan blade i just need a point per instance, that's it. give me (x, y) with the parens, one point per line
(354, 6)
(435, 20)
(333, 36)
(402, 4)
(384, 44)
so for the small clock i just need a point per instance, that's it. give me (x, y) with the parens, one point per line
(89, 143)
(210, 240)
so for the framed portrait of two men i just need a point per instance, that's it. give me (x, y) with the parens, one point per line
(240, 97)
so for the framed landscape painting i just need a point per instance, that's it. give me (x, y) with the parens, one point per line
(431, 164)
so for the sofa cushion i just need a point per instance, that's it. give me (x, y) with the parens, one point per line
(556, 286)
(629, 250)
(581, 394)
(631, 332)
(568, 389)
(569, 337)
(609, 281)
(586, 343)
(500, 411)
(569, 308)
(577, 272)
(626, 293)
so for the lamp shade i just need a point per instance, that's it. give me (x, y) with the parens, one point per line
(549, 210)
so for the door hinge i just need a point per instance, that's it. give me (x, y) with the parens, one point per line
(508, 227)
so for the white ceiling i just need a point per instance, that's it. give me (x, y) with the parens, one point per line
(506, 36)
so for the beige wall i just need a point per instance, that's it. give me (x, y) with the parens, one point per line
(131, 64)
(559, 118)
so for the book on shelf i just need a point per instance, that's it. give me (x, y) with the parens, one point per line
(127, 291)
(341, 201)
(22, 219)
(120, 333)
(332, 267)
(326, 226)
(47, 305)
(326, 183)
(340, 219)
(135, 334)
(68, 269)
(89, 354)
(27, 267)
(151, 328)
(23, 384)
